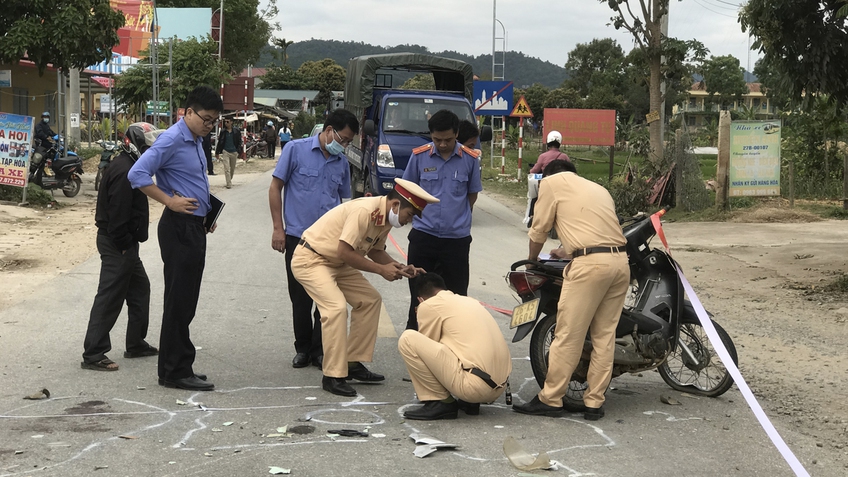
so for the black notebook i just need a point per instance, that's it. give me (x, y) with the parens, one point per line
(216, 206)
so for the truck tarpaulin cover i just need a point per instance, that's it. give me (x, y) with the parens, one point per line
(449, 74)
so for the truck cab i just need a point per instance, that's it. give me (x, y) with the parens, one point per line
(393, 121)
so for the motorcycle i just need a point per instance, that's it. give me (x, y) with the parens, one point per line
(251, 145)
(51, 169)
(657, 329)
(109, 150)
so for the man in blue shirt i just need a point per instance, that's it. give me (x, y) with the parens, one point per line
(178, 162)
(440, 240)
(315, 180)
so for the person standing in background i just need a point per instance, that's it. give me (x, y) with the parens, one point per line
(229, 143)
(285, 135)
(270, 137)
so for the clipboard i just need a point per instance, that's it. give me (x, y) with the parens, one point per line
(216, 205)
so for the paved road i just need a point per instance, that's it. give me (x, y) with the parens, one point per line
(243, 329)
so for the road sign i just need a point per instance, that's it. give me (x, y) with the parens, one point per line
(492, 98)
(521, 109)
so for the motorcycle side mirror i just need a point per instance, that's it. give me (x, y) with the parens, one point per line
(486, 134)
(369, 129)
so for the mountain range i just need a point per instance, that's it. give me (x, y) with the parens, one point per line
(519, 68)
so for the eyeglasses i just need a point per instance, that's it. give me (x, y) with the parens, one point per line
(342, 141)
(207, 121)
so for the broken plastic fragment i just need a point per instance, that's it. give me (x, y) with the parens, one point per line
(100, 467)
(140, 388)
(215, 429)
(128, 437)
(669, 400)
(523, 460)
(427, 445)
(311, 398)
(19, 452)
(180, 403)
(226, 424)
(278, 471)
(378, 435)
(348, 433)
(208, 454)
(282, 430)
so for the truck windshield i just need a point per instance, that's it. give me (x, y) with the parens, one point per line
(410, 115)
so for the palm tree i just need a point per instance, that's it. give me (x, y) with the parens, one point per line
(282, 44)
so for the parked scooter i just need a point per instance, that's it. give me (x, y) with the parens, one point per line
(51, 169)
(109, 150)
(657, 328)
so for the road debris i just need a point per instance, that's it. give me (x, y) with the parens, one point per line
(523, 460)
(427, 445)
(348, 433)
(43, 394)
(669, 400)
(278, 471)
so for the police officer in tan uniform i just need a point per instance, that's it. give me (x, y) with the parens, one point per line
(458, 351)
(328, 263)
(593, 289)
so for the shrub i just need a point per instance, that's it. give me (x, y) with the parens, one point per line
(630, 198)
(35, 195)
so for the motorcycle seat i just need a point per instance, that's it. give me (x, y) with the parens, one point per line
(65, 161)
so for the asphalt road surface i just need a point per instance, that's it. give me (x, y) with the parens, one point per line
(123, 423)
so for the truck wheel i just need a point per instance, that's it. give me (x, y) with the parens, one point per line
(357, 184)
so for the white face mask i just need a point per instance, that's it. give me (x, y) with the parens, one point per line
(394, 219)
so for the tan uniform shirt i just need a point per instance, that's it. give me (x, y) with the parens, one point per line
(582, 211)
(360, 223)
(464, 326)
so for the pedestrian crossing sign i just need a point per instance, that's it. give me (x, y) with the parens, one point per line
(521, 109)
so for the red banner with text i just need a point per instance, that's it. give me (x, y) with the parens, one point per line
(581, 127)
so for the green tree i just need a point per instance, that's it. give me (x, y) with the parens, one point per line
(421, 82)
(193, 65)
(724, 78)
(563, 98)
(645, 27)
(65, 33)
(597, 63)
(325, 76)
(283, 77)
(246, 27)
(283, 46)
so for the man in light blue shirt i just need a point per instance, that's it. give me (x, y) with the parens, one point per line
(316, 177)
(440, 240)
(179, 164)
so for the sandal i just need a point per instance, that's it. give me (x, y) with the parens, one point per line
(149, 351)
(104, 364)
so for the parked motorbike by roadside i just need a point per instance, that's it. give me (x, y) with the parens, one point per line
(109, 150)
(658, 328)
(50, 168)
(251, 145)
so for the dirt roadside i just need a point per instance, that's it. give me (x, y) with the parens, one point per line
(763, 281)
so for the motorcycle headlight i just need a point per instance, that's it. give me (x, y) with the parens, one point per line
(384, 156)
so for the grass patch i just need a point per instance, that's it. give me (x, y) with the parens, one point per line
(89, 152)
(839, 285)
(36, 196)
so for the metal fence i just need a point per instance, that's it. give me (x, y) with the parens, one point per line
(690, 189)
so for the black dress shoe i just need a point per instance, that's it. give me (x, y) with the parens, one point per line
(318, 361)
(301, 360)
(538, 408)
(141, 353)
(337, 386)
(433, 410)
(192, 383)
(572, 406)
(470, 408)
(199, 376)
(360, 373)
(593, 413)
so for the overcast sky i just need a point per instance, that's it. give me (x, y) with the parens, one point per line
(543, 29)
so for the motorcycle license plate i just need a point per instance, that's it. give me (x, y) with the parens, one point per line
(524, 313)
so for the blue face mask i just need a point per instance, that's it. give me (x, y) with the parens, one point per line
(46, 120)
(334, 148)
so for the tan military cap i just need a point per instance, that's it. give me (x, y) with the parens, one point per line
(413, 193)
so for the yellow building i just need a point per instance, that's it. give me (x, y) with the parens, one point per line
(698, 111)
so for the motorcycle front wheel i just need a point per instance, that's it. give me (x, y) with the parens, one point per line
(706, 375)
(540, 345)
(72, 187)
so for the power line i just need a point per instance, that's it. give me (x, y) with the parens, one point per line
(717, 13)
(734, 8)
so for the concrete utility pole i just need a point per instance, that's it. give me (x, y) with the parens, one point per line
(723, 160)
(664, 28)
(75, 110)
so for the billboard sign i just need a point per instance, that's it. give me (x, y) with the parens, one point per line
(582, 127)
(754, 158)
(492, 98)
(15, 146)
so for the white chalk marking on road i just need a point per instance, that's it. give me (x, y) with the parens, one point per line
(378, 420)
(385, 328)
(199, 421)
(671, 418)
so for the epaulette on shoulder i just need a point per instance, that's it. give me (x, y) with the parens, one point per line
(424, 148)
(471, 152)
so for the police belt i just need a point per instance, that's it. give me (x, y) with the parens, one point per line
(486, 377)
(307, 246)
(587, 251)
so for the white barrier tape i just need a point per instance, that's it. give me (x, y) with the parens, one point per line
(778, 442)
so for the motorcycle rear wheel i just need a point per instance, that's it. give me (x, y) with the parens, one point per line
(72, 187)
(708, 377)
(540, 345)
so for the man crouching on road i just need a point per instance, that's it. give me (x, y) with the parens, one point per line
(327, 262)
(459, 350)
(594, 285)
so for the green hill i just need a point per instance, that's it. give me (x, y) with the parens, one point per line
(521, 69)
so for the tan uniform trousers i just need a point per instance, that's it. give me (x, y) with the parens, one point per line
(332, 287)
(593, 291)
(228, 162)
(437, 373)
